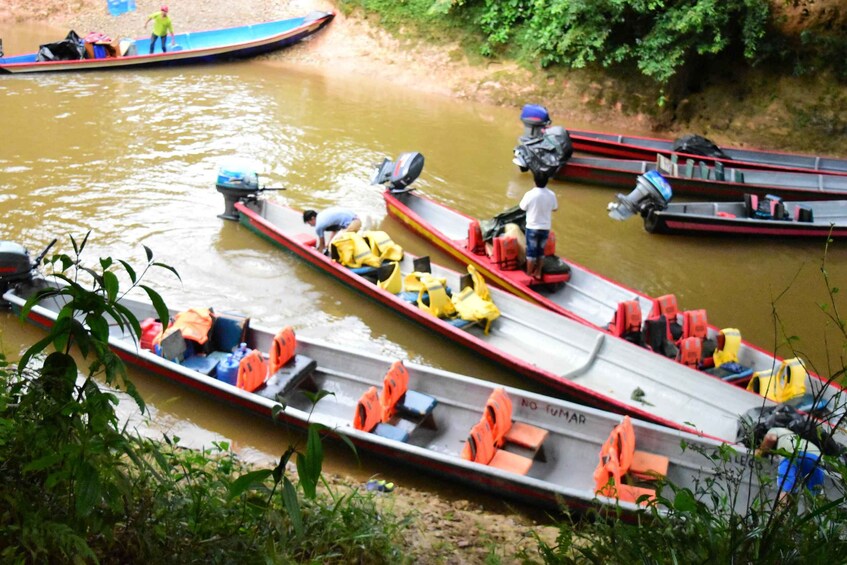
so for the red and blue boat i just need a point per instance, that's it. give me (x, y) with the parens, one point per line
(191, 48)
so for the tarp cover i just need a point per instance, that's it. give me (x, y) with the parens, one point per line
(69, 49)
(545, 154)
(496, 225)
(698, 145)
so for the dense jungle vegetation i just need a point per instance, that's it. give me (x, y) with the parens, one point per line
(666, 50)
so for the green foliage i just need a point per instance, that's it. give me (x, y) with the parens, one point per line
(700, 526)
(658, 36)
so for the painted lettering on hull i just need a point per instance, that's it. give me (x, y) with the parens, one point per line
(555, 411)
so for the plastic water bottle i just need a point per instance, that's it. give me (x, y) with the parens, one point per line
(241, 352)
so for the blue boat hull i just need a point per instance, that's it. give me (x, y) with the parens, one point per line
(192, 48)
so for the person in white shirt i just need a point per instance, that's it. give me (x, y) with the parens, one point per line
(539, 204)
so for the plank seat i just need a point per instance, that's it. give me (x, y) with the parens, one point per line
(389, 431)
(550, 278)
(205, 364)
(512, 462)
(648, 466)
(288, 377)
(416, 404)
(526, 435)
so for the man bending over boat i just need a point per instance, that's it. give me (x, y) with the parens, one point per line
(800, 462)
(162, 24)
(331, 221)
(539, 204)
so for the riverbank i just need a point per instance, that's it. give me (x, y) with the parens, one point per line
(753, 109)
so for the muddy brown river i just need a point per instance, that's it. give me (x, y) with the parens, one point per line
(133, 157)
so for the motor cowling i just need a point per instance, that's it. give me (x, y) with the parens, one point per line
(237, 181)
(651, 192)
(535, 118)
(542, 148)
(400, 174)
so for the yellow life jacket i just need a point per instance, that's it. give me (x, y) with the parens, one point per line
(440, 304)
(789, 382)
(353, 251)
(383, 246)
(413, 281)
(474, 302)
(471, 307)
(792, 379)
(729, 343)
(394, 283)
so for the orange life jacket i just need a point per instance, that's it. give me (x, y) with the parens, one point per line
(194, 324)
(368, 411)
(666, 305)
(395, 385)
(476, 244)
(694, 324)
(627, 318)
(498, 413)
(252, 371)
(690, 351)
(619, 449)
(550, 246)
(480, 445)
(282, 349)
(506, 253)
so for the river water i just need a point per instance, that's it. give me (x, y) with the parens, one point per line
(133, 157)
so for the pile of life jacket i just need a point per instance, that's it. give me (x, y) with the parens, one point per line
(473, 303)
(683, 336)
(365, 249)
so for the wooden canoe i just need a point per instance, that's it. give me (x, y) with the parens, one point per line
(560, 464)
(645, 148)
(567, 357)
(194, 47)
(587, 297)
(712, 182)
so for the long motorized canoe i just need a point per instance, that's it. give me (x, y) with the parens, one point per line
(645, 148)
(568, 357)
(588, 297)
(194, 47)
(551, 448)
(704, 181)
(816, 219)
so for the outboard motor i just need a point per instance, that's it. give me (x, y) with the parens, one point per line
(651, 192)
(237, 181)
(542, 148)
(400, 174)
(16, 266)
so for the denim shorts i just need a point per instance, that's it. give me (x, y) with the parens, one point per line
(535, 242)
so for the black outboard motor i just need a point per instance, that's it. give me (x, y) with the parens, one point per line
(651, 192)
(542, 148)
(400, 174)
(16, 266)
(236, 182)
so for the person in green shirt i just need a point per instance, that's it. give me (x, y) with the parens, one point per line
(161, 26)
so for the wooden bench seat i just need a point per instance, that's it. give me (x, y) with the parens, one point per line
(289, 377)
